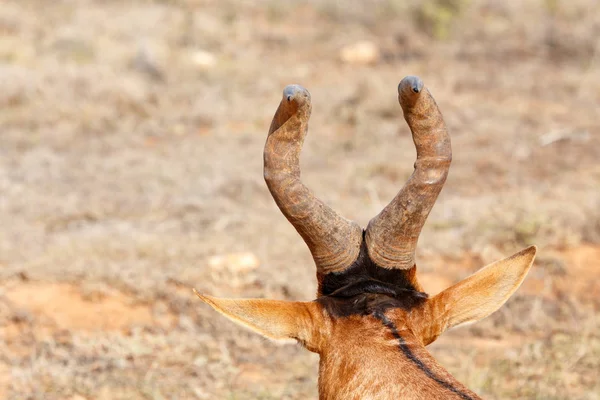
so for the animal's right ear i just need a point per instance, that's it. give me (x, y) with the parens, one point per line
(477, 296)
(275, 319)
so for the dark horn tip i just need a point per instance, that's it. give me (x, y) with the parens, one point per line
(414, 83)
(295, 92)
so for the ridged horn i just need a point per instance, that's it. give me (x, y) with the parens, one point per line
(333, 240)
(392, 236)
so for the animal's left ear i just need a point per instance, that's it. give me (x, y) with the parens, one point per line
(475, 297)
(275, 319)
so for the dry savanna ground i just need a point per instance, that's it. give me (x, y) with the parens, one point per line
(131, 137)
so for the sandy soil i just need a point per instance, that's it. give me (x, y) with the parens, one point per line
(131, 138)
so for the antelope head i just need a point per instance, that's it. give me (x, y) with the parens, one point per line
(371, 320)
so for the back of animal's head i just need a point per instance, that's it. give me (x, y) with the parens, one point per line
(367, 283)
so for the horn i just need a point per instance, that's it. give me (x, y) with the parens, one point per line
(392, 236)
(334, 241)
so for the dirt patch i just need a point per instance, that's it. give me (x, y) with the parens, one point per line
(63, 306)
(555, 273)
(583, 260)
(4, 380)
(565, 274)
(579, 278)
(131, 156)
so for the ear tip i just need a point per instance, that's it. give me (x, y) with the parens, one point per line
(411, 83)
(531, 250)
(528, 252)
(202, 297)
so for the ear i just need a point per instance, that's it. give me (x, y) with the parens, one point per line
(477, 296)
(279, 320)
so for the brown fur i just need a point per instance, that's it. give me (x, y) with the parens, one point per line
(363, 361)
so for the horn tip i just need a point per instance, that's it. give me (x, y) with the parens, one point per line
(411, 83)
(295, 92)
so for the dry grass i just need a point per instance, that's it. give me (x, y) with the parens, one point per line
(131, 136)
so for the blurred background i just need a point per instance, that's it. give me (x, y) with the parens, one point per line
(131, 138)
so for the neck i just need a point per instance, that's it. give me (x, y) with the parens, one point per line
(392, 366)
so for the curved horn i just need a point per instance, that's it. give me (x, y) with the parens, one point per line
(333, 240)
(392, 235)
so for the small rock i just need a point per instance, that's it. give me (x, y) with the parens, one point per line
(237, 270)
(146, 62)
(203, 59)
(200, 361)
(363, 52)
(237, 262)
(179, 130)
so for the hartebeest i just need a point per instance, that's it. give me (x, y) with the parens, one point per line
(371, 320)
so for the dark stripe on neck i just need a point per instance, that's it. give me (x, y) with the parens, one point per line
(415, 360)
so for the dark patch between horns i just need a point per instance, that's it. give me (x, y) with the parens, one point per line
(365, 288)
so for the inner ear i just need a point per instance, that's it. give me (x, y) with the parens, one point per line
(475, 297)
(275, 319)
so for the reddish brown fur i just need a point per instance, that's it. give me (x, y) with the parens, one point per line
(367, 364)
